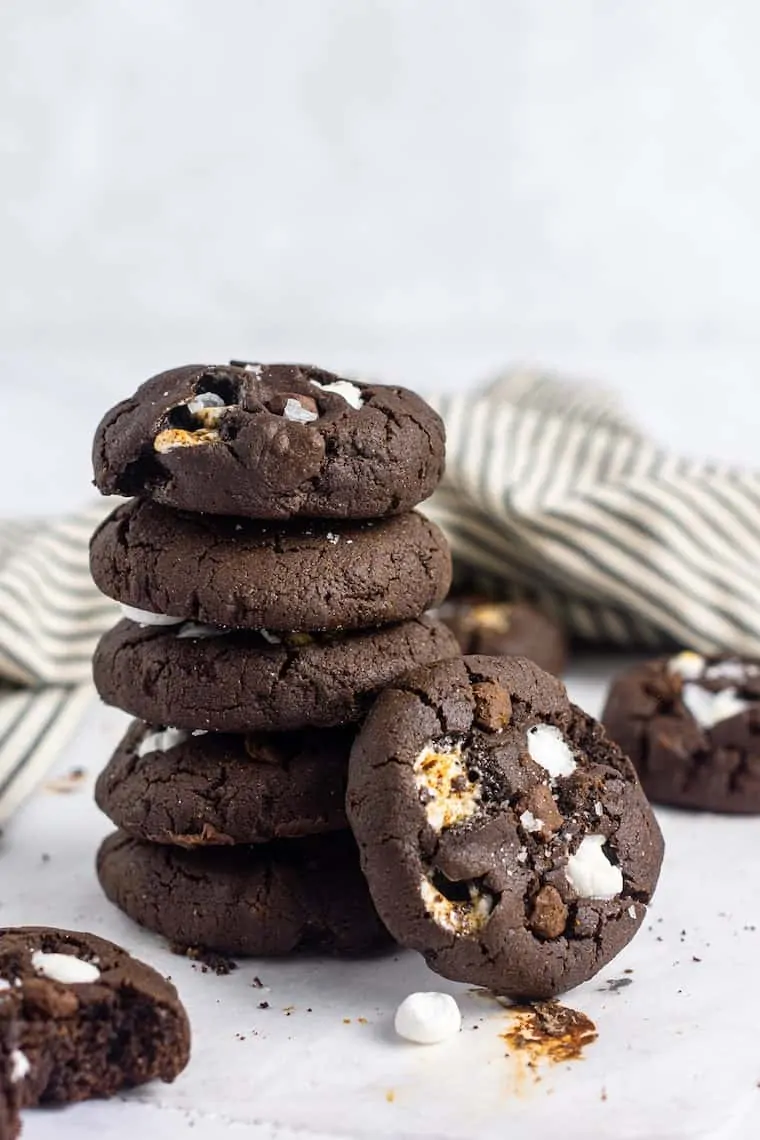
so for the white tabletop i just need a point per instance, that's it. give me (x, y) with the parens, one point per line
(676, 1055)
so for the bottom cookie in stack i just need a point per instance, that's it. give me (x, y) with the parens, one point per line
(237, 844)
(11, 1066)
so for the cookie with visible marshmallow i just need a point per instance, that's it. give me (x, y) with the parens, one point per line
(503, 835)
(271, 441)
(484, 625)
(691, 726)
(279, 576)
(91, 1020)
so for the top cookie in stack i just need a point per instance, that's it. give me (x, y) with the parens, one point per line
(274, 577)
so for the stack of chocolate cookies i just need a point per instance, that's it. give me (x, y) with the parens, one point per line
(273, 576)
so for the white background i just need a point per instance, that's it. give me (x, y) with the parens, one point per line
(426, 189)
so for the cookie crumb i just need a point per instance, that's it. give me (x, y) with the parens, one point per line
(208, 960)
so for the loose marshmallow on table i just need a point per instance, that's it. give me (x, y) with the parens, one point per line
(547, 747)
(590, 873)
(145, 617)
(350, 392)
(64, 968)
(428, 1018)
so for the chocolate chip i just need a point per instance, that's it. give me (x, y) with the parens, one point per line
(540, 802)
(493, 707)
(548, 914)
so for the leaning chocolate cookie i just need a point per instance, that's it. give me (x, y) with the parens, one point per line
(271, 441)
(690, 725)
(502, 834)
(92, 1020)
(168, 785)
(304, 575)
(201, 677)
(504, 629)
(301, 894)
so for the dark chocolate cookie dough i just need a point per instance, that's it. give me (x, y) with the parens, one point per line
(300, 894)
(271, 441)
(92, 1020)
(281, 576)
(504, 629)
(691, 726)
(169, 786)
(502, 834)
(203, 678)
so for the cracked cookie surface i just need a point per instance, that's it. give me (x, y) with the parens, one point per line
(503, 835)
(91, 1019)
(300, 894)
(691, 726)
(217, 789)
(504, 629)
(280, 576)
(271, 441)
(239, 681)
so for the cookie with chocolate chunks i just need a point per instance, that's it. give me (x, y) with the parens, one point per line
(91, 1019)
(300, 894)
(691, 726)
(502, 834)
(504, 629)
(168, 785)
(271, 441)
(280, 576)
(203, 677)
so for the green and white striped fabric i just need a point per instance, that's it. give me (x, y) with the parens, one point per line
(550, 494)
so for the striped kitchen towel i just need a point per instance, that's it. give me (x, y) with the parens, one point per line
(550, 494)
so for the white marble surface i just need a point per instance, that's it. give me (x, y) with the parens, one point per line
(676, 1057)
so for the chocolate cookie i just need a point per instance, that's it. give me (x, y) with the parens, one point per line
(279, 576)
(504, 629)
(12, 1065)
(691, 726)
(502, 834)
(271, 441)
(200, 677)
(168, 786)
(91, 1019)
(300, 894)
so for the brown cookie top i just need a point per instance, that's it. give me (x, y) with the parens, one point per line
(271, 441)
(691, 726)
(300, 894)
(502, 834)
(167, 785)
(504, 629)
(92, 1019)
(281, 576)
(200, 677)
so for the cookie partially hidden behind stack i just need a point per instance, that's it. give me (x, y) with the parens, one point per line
(255, 636)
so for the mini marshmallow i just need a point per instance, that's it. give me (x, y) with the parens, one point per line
(590, 873)
(64, 968)
(203, 401)
(428, 1018)
(146, 617)
(350, 393)
(528, 822)
(162, 741)
(197, 630)
(708, 708)
(737, 671)
(687, 665)
(547, 747)
(296, 412)
(20, 1066)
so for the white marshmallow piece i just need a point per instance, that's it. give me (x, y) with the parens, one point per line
(203, 401)
(736, 671)
(709, 709)
(427, 1018)
(547, 747)
(20, 1066)
(64, 968)
(145, 617)
(162, 741)
(528, 822)
(688, 665)
(295, 411)
(350, 392)
(590, 873)
(198, 631)
(4, 985)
